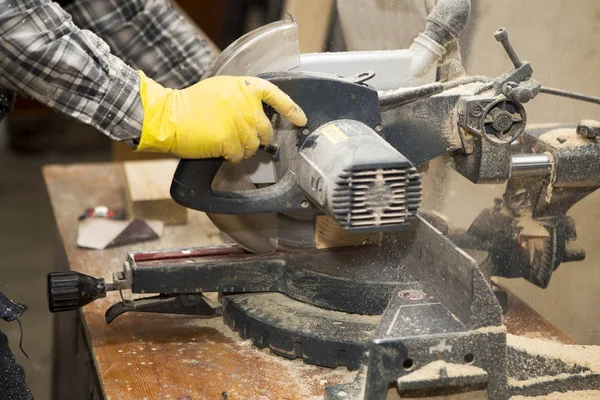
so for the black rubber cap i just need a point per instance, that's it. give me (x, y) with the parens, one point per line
(69, 291)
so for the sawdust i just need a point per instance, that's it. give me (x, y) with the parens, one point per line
(571, 355)
(329, 234)
(565, 137)
(586, 356)
(491, 329)
(578, 395)
(313, 377)
(552, 178)
(434, 370)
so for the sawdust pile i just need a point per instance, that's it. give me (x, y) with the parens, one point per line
(579, 395)
(587, 356)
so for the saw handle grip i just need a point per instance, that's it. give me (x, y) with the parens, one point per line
(192, 188)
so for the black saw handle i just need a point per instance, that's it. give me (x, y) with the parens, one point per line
(192, 188)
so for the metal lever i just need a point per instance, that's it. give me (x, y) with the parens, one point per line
(501, 35)
(516, 84)
(68, 291)
(187, 304)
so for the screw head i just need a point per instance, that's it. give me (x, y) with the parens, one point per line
(378, 127)
(288, 204)
(305, 131)
(477, 111)
(501, 34)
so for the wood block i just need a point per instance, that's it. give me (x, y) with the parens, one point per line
(329, 234)
(122, 152)
(147, 191)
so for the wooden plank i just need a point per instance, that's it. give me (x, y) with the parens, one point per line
(147, 191)
(313, 18)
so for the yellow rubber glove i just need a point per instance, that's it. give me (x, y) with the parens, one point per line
(217, 117)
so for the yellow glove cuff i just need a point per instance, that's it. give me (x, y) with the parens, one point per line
(158, 130)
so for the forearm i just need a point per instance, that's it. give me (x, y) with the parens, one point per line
(45, 56)
(148, 34)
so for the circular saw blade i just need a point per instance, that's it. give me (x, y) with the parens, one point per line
(256, 233)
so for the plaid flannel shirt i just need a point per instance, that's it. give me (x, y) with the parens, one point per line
(55, 56)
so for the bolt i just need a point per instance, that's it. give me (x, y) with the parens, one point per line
(353, 96)
(304, 204)
(501, 35)
(378, 127)
(477, 111)
(288, 204)
(305, 131)
(502, 120)
(192, 191)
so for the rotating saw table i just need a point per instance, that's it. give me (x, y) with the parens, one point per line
(160, 356)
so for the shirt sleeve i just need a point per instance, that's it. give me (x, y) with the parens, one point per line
(45, 56)
(150, 35)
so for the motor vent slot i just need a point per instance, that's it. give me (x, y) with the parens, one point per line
(376, 199)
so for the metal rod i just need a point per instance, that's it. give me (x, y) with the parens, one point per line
(570, 95)
(405, 95)
(531, 165)
(110, 286)
(501, 35)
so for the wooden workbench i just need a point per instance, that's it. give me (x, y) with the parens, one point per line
(155, 356)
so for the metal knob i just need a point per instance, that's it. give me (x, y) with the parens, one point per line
(69, 291)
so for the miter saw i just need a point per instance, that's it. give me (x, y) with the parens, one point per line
(334, 262)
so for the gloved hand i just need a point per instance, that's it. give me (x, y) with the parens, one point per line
(217, 117)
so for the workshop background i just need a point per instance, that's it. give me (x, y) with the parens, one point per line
(558, 37)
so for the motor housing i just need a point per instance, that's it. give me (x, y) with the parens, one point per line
(353, 175)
